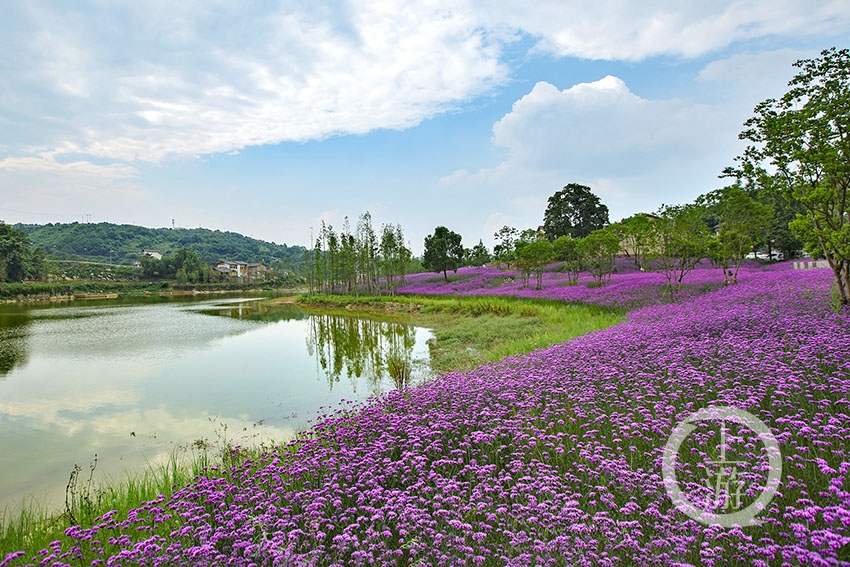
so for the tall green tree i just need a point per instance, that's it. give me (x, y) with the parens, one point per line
(682, 239)
(367, 253)
(800, 147)
(503, 251)
(395, 256)
(18, 259)
(477, 255)
(567, 250)
(638, 238)
(532, 257)
(575, 211)
(598, 250)
(740, 222)
(443, 251)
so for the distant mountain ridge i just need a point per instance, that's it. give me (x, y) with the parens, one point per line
(123, 243)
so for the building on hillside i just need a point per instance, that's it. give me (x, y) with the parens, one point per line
(155, 254)
(244, 271)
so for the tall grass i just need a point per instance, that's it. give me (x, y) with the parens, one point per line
(34, 525)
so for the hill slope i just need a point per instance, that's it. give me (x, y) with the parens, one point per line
(123, 243)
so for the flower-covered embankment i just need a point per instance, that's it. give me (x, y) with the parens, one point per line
(550, 458)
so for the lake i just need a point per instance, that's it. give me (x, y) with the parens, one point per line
(131, 381)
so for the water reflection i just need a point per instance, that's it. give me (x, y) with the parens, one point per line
(355, 347)
(344, 346)
(14, 347)
(131, 380)
(258, 310)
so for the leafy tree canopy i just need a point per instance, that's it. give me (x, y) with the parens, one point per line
(800, 148)
(18, 260)
(477, 255)
(740, 222)
(443, 251)
(574, 211)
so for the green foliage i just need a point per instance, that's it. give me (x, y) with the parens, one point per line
(566, 250)
(113, 243)
(477, 255)
(682, 237)
(532, 257)
(395, 256)
(342, 262)
(18, 260)
(801, 150)
(778, 235)
(185, 266)
(740, 223)
(638, 238)
(575, 211)
(443, 251)
(597, 250)
(503, 252)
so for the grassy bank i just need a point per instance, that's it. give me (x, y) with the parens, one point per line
(470, 331)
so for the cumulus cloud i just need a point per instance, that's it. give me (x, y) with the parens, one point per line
(602, 126)
(601, 133)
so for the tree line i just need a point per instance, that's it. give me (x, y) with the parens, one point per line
(358, 261)
(122, 243)
(19, 260)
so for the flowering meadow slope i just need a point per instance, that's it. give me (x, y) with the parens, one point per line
(551, 458)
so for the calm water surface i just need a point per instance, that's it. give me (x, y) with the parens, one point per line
(133, 381)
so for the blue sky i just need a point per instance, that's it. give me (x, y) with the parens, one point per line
(265, 118)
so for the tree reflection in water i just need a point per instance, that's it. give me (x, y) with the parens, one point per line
(14, 335)
(359, 347)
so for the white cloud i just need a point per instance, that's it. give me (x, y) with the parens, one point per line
(154, 80)
(75, 168)
(750, 77)
(203, 81)
(634, 152)
(602, 126)
(627, 30)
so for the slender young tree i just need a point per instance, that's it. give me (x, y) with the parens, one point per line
(682, 237)
(598, 250)
(740, 223)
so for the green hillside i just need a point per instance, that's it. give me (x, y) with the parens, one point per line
(123, 243)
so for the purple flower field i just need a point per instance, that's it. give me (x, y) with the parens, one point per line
(550, 458)
(627, 288)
